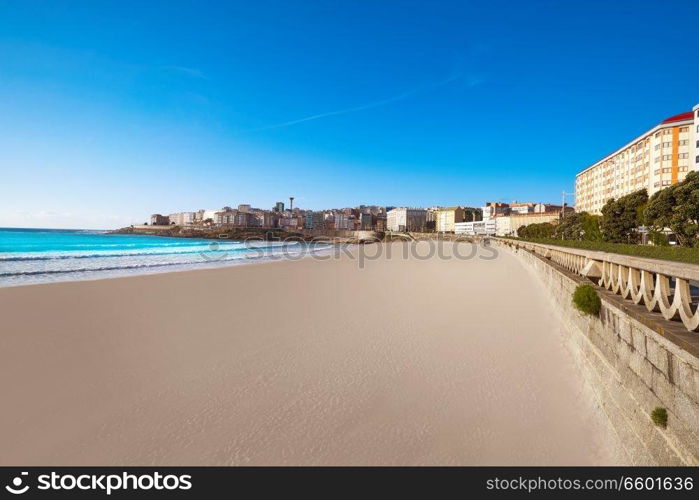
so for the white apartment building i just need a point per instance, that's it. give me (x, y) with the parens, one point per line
(182, 218)
(477, 228)
(342, 221)
(175, 219)
(658, 158)
(487, 226)
(503, 226)
(522, 208)
(203, 215)
(406, 219)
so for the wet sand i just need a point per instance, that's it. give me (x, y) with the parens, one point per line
(404, 362)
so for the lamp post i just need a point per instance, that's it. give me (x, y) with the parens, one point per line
(563, 207)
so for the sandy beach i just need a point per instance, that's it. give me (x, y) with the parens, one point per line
(404, 362)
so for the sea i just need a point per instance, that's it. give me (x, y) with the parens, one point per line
(30, 256)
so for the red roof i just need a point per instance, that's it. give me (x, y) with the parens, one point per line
(679, 118)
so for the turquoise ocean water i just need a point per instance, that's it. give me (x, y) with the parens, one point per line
(30, 256)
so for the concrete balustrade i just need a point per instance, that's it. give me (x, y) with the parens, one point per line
(661, 286)
(640, 353)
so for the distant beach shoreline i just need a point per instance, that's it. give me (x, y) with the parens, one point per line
(30, 257)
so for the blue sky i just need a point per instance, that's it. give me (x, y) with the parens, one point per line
(110, 111)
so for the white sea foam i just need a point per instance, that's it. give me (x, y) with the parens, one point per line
(70, 256)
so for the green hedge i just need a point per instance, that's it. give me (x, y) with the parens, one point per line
(675, 253)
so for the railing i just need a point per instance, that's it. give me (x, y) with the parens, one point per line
(662, 286)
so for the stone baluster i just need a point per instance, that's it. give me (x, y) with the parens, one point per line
(643, 284)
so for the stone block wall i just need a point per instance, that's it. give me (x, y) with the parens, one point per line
(634, 366)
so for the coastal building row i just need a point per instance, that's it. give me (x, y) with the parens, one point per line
(446, 218)
(440, 219)
(658, 158)
(505, 219)
(494, 218)
(364, 217)
(406, 219)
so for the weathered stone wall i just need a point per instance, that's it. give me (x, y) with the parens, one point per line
(341, 233)
(634, 364)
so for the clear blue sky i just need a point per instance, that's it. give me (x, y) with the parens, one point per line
(110, 111)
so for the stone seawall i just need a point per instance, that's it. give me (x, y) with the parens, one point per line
(241, 233)
(341, 234)
(633, 366)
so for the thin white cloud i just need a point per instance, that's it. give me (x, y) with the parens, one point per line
(184, 70)
(362, 107)
(371, 105)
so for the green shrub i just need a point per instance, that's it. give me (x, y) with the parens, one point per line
(676, 208)
(621, 217)
(659, 417)
(578, 226)
(586, 300)
(658, 239)
(541, 230)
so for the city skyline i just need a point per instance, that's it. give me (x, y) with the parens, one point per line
(111, 114)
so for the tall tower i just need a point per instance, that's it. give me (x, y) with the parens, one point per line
(291, 203)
